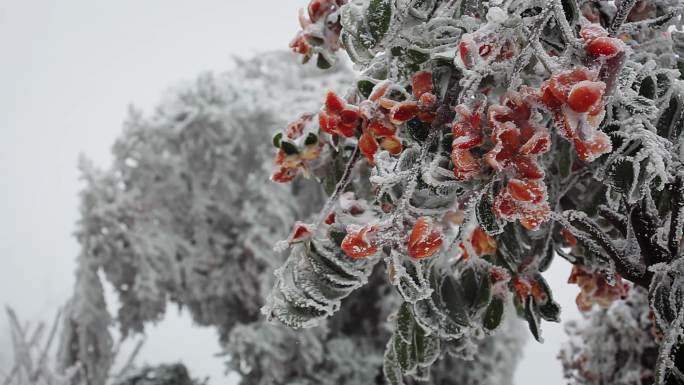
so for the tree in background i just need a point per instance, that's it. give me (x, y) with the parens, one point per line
(481, 139)
(185, 215)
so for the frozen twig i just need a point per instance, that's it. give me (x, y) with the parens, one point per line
(623, 11)
(339, 188)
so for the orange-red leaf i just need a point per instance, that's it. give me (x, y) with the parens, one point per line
(424, 239)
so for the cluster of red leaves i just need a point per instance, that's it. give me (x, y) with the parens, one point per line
(337, 117)
(517, 142)
(308, 37)
(383, 116)
(575, 97)
(289, 164)
(595, 289)
(379, 117)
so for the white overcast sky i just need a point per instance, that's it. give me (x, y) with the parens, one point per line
(68, 71)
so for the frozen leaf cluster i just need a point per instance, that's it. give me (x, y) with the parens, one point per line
(479, 140)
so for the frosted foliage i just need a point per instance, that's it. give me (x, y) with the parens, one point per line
(612, 346)
(479, 140)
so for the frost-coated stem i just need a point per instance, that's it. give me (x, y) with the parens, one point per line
(524, 56)
(339, 188)
(565, 28)
(650, 23)
(623, 11)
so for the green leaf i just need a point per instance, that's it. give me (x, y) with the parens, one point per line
(288, 147)
(648, 88)
(620, 175)
(337, 236)
(484, 294)
(390, 366)
(471, 285)
(565, 162)
(311, 139)
(365, 87)
(402, 350)
(378, 16)
(671, 118)
(532, 317)
(357, 52)
(493, 314)
(405, 323)
(452, 296)
(322, 62)
(485, 215)
(276, 139)
(548, 309)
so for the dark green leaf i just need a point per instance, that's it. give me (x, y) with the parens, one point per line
(288, 148)
(452, 296)
(322, 62)
(276, 139)
(390, 366)
(378, 16)
(620, 175)
(471, 286)
(648, 88)
(405, 323)
(485, 215)
(532, 317)
(403, 350)
(493, 314)
(365, 87)
(311, 139)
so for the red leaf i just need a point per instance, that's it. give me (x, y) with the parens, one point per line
(466, 166)
(358, 243)
(403, 112)
(528, 168)
(368, 147)
(605, 47)
(585, 94)
(333, 103)
(483, 243)
(392, 144)
(424, 239)
(421, 83)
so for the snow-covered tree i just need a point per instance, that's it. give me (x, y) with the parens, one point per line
(478, 140)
